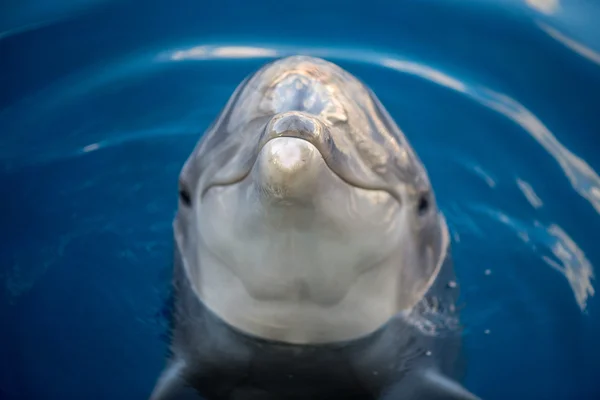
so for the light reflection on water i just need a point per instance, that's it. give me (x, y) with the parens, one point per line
(544, 6)
(569, 260)
(572, 44)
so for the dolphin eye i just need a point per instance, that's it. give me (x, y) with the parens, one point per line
(423, 206)
(184, 196)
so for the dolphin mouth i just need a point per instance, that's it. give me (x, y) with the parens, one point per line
(256, 155)
(304, 126)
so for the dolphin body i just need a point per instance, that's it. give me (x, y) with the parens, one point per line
(309, 251)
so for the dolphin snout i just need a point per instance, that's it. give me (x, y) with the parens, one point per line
(288, 168)
(292, 154)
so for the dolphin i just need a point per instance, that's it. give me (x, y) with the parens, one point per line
(310, 255)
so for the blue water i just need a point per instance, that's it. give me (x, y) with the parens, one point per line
(102, 101)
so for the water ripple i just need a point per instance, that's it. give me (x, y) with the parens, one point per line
(573, 264)
(569, 260)
(572, 44)
(116, 139)
(530, 194)
(583, 178)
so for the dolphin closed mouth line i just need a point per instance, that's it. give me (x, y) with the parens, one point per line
(326, 158)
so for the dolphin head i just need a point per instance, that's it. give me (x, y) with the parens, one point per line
(304, 209)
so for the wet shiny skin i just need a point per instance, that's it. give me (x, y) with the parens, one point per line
(326, 249)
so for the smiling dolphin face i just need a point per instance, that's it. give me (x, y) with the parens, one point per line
(304, 215)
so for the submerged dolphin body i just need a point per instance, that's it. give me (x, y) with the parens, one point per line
(309, 251)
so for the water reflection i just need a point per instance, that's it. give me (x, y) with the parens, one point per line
(210, 52)
(486, 177)
(530, 194)
(91, 147)
(569, 259)
(544, 6)
(573, 264)
(572, 44)
(423, 71)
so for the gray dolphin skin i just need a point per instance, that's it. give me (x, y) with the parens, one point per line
(311, 260)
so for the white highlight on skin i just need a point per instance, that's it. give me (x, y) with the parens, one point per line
(288, 153)
(287, 169)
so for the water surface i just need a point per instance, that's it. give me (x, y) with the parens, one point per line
(101, 104)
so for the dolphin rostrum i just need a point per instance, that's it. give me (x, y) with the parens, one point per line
(309, 251)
